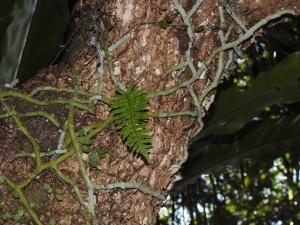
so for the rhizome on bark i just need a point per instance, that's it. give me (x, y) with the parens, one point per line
(142, 59)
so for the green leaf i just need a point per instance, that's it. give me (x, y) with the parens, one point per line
(130, 114)
(87, 142)
(168, 19)
(163, 24)
(52, 221)
(94, 159)
(15, 194)
(47, 188)
(84, 140)
(6, 215)
(4, 208)
(85, 149)
(103, 151)
(81, 139)
(19, 214)
(200, 29)
(261, 141)
(59, 197)
(234, 109)
(81, 133)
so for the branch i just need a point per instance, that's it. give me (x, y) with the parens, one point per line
(173, 114)
(25, 132)
(46, 115)
(129, 185)
(87, 181)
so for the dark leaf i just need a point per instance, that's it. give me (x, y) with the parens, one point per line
(234, 108)
(31, 32)
(265, 139)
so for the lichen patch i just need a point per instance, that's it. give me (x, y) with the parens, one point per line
(124, 11)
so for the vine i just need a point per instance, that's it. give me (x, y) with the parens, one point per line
(128, 112)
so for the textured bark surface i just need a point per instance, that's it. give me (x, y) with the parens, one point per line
(142, 60)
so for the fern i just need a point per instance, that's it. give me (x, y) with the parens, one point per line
(130, 114)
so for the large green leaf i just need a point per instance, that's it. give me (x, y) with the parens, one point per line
(129, 110)
(264, 139)
(31, 32)
(234, 108)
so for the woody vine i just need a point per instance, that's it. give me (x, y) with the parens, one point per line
(128, 111)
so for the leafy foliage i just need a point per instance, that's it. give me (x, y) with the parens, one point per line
(261, 192)
(235, 109)
(85, 142)
(130, 114)
(96, 156)
(163, 24)
(256, 143)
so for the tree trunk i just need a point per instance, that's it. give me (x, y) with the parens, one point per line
(156, 41)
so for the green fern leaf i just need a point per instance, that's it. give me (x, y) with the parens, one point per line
(130, 114)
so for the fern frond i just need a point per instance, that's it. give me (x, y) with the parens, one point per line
(130, 114)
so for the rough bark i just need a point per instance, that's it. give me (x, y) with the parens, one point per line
(142, 61)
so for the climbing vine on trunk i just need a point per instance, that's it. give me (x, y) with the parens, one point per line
(128, 109)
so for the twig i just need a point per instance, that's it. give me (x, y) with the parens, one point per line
(26, 133)
(88, 183)
(195, 8)
(173, 114)
(114, 45)
(236, 19)
(222, 48)
(129, 185)
(46, 115)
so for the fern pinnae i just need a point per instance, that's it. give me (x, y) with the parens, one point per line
(130, 114)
